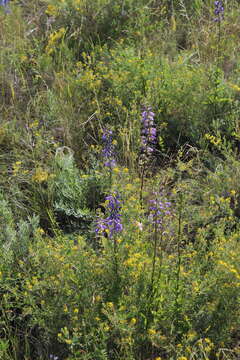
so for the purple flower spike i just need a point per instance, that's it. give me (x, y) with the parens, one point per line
(101, 226)
(218, 11)
(4, 2)
(108, 152)
(113, 222)
(111, 163)
(160, 211)
(148, 132)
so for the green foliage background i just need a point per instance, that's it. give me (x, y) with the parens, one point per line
(68, 70)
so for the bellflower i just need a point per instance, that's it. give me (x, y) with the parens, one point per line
(112, 223)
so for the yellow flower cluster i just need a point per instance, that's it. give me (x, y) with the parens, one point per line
(16, 167)
(53, 39)
(213, 139)
(235, 87)
(51, 10)
(40, 175)
(230, 268)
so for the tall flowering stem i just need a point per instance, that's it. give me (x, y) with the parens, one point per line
(219, 15)
(108, 152)
(148, 142)
(178, 268)
(112, 223)
(160, 214)
(160, 210)
(148, 133)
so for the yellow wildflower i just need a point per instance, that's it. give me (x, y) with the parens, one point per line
(116, 170)
(133, 321)
(235, 87)
(51, 10)
(68, 341)
(110, 305)
(40, 175)
(129, 187)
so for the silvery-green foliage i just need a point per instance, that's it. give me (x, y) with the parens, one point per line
(76, 194)
(69, 186)
(15, 238)
(7, 233)
(25, 235)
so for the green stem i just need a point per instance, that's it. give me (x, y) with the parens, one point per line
(116, 281)
(219, 39)
(154, 256)
(151, 288)
(142, 184)
(110, 177)
(160, 259)
(179, 261)
(115, 255)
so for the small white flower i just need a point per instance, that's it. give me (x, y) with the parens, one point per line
(139, 225)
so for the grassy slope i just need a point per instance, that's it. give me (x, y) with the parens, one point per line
(70, 69)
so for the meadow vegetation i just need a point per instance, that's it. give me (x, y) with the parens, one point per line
(119, 180)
